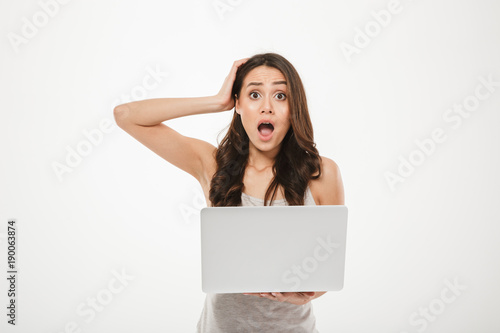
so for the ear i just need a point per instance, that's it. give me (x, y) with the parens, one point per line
(237, 105)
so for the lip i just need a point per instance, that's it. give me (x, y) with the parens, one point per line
(265, 137)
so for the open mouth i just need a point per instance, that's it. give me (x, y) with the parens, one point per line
(266, 129)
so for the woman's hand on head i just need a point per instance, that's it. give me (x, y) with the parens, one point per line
(225, 94)
(289, 297)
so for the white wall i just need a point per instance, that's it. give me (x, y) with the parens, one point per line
(121, 207)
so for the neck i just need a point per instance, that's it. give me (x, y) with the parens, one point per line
(261, 160)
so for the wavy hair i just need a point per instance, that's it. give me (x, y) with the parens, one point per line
(296, 162)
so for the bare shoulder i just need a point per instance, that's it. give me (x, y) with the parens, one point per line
(328, 189)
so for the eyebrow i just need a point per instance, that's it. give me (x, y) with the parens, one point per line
(260, 83)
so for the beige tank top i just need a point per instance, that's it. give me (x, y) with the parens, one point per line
(247, 313)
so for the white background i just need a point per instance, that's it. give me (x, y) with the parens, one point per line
(122, 208)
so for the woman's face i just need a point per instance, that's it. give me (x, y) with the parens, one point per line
(263, 97)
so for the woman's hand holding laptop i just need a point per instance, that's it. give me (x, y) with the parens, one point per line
(290, 297)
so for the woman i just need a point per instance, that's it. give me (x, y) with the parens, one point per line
(268, 156)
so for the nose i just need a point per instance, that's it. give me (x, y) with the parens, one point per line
(266, 106)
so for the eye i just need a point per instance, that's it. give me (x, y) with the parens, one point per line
(254, 95)
(281, 96)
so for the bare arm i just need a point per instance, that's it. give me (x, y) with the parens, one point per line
(144, 119)
(152, 112)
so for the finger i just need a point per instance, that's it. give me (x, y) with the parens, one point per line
(252, 294)
(298, 295)
(279, 297)
(240, 61)
(232, 73)
(309, 293)
(302, 294)
(268, 295)
(237, 64)
(272, 296)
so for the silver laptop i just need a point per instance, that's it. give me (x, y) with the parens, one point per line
(273, 248)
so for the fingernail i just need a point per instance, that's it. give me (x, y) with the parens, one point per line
(274, 294)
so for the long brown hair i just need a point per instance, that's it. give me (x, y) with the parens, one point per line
(298, 158)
